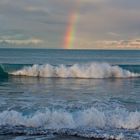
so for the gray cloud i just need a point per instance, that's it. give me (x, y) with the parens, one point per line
(49, 20)
(121, 44)
(19, 40)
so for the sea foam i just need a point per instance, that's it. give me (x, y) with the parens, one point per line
(92, 70)
(89, 118)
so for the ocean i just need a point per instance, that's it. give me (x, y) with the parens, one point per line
(48, 94)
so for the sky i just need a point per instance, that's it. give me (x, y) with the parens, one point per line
(70, 24)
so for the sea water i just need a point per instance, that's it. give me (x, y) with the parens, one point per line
(69, 94)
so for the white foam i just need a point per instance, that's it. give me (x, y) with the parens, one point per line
(89, 118)
(92, 70)
(125, 119)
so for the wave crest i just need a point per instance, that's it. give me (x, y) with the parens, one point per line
(57, 119)
(92, 70)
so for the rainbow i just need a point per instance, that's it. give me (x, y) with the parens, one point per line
(69, 38)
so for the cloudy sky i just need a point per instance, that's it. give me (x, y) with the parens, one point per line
(44, 23)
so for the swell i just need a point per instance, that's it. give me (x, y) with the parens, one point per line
(89, 70)
(3, 74)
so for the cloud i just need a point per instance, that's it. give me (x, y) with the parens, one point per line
(37, 9)
(120, 44)
(101, 23)
(86, 43)
(113, 34)
(94, 1)
(32, 41)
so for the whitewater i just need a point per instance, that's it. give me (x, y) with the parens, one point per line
(88, 118)
(92, 70)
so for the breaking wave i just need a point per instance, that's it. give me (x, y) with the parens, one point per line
(58, 119)
(92, 70)
(89, 123)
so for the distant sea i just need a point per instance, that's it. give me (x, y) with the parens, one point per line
(69, 94)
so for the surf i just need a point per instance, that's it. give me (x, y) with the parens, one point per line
(88, 71)
(82, 123)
